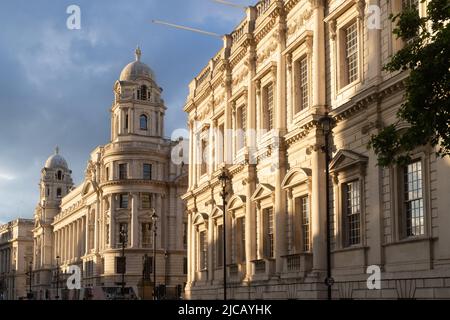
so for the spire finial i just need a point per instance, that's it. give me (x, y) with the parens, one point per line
(57, 150)
(138, 53)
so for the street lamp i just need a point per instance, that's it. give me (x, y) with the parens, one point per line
(224, 179)
(57, 278)
(123, 240)
(326, 123)
(154, 220)
(166, 265)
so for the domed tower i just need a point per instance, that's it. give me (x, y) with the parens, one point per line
(56, 182)
(138, 110)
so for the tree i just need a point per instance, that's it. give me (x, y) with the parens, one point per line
(426, 108)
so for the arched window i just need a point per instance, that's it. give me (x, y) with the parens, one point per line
(59, 193)
(144, 122)
(144, 94)
(59, 175)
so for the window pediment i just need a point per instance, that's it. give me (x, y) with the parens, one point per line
(217, 212)
(263, 190)
(236, 202)
(200, 218)
(346, 159)
(295, 177)
(88, 187)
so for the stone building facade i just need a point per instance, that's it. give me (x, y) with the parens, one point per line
(255, 109)
(16, 253)
(125, 181)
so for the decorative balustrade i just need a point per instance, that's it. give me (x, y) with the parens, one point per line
(260, 266)
(262, 7)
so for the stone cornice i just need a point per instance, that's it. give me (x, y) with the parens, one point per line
(362, 100)
(134, 182)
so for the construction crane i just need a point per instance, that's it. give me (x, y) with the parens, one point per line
(208, 33)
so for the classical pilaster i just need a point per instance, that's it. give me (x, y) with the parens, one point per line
(194, 252)
(211, 251)
(374, 47)
(189, 248)
(134, 221)
(318, 209)
(279, 154)
(318, 61)
(162, 216)
(112, 222)
(87, 233)
(191, 154)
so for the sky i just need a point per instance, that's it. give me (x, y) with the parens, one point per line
(56, 84)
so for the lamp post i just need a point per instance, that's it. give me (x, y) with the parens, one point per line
(326, 123)
(224, 178)
(166, 265)
(57, 278)
(154, 220)
(123, 240)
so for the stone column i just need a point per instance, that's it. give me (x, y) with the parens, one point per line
(80, 238)
(280, 216)
(134, 221)
(112, 212)
(56, 244)
(132, 117)
(258, 124)
(161, 124)
(318, 61)
(155, 123)
(189, 248)
(96, 226)
(211, 245)
(250, 230)
(73, 247)
(374, 49)
(212, 148)
(191, 155)
(318, 210)
(87, 233)
(194, 252)
(195, 155)
(162, 216)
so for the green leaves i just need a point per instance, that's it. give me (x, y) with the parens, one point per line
(425, 113)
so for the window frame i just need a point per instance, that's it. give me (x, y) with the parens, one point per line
(146, 226)
(120, 173)
(347, 243)
(399, 226)
(202, 250)
(344, 80)
(268, 123)
(298, 106)
(145, 117)
(150, 176)
(298, 226)
(344, 171)
(268, 238)
(150, 202)
(122, 201)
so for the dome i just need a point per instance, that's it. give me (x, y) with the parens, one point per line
(56, 161)
(136, 69)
